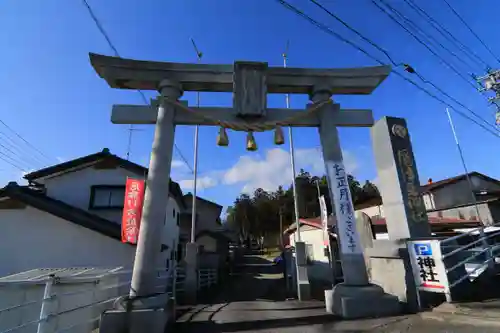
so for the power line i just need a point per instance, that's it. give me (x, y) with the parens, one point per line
(29, 144)
(470, 29)
(367, 39)
(6, 158)
(378, 47)
(19, 161)
(423, 33)
(447, 34)
(143, 96)
(443, 61)
(28, 155)
(407, 67)
(340, 37)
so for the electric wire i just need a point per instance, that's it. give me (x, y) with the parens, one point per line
(21, 150)
(29, 144)
(327, 30)
(24, 157)
(378, 47)
(19, 160)
(407, 67)
(103, 32)
(447, 34)
(470, 29)
(424, 34)
(441, 59)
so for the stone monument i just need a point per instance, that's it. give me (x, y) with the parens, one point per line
(404, 209)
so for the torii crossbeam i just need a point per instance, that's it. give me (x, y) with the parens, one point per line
(250, 82)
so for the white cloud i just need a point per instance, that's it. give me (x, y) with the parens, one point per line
(201, 182)
(274, 168)
(176, 164)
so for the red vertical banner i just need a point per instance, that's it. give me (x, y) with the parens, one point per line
(132, 210)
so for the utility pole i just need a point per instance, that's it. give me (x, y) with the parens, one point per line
(292, 156)
(303, 290)
(195, 159)
(491, 82)
(469, 182)
(281, 229)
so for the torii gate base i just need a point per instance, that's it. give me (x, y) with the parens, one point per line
(250, 83)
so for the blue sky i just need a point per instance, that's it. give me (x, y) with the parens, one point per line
(54, 99)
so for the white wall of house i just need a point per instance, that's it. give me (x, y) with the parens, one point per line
(373, 211)
(451, 195)
(207, 215)
(170, 233)
(35, 239)
(313, 237)
(74, 187)
(459, 193)
(209, 243)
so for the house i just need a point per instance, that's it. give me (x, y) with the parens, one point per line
(70, 216)
(312, 234)
(209, 234)
(452, 198)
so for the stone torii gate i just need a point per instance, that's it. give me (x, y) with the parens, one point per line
(250, 83)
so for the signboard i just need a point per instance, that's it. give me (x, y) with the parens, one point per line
(427, 265)
(344, 212)
(324, 220)
(410, 183)
(132, 210)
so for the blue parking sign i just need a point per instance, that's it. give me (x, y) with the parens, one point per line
(423, 249)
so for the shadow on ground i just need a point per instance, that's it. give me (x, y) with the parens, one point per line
(255, 278)
(215, 327)
(253, 298)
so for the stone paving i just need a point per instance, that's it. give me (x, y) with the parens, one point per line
(254, 302)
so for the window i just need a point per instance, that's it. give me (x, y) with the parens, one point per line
(178, 219)
(106, 196)
(173, 213)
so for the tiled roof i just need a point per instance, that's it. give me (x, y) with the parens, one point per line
(189, 196)
(433, 220)
(104, 155)
(377, 201)
(434, 185)
(62, 210)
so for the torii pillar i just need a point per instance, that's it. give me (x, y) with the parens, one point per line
(250, 83)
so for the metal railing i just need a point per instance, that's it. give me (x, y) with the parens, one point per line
(476, 256)
(80, 310)
(206, 277)
(73, 311)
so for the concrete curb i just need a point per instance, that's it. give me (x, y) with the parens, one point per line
(461, 319)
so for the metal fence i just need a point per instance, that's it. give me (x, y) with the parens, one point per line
(79, 310)
(206, 278)
(470, 255)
